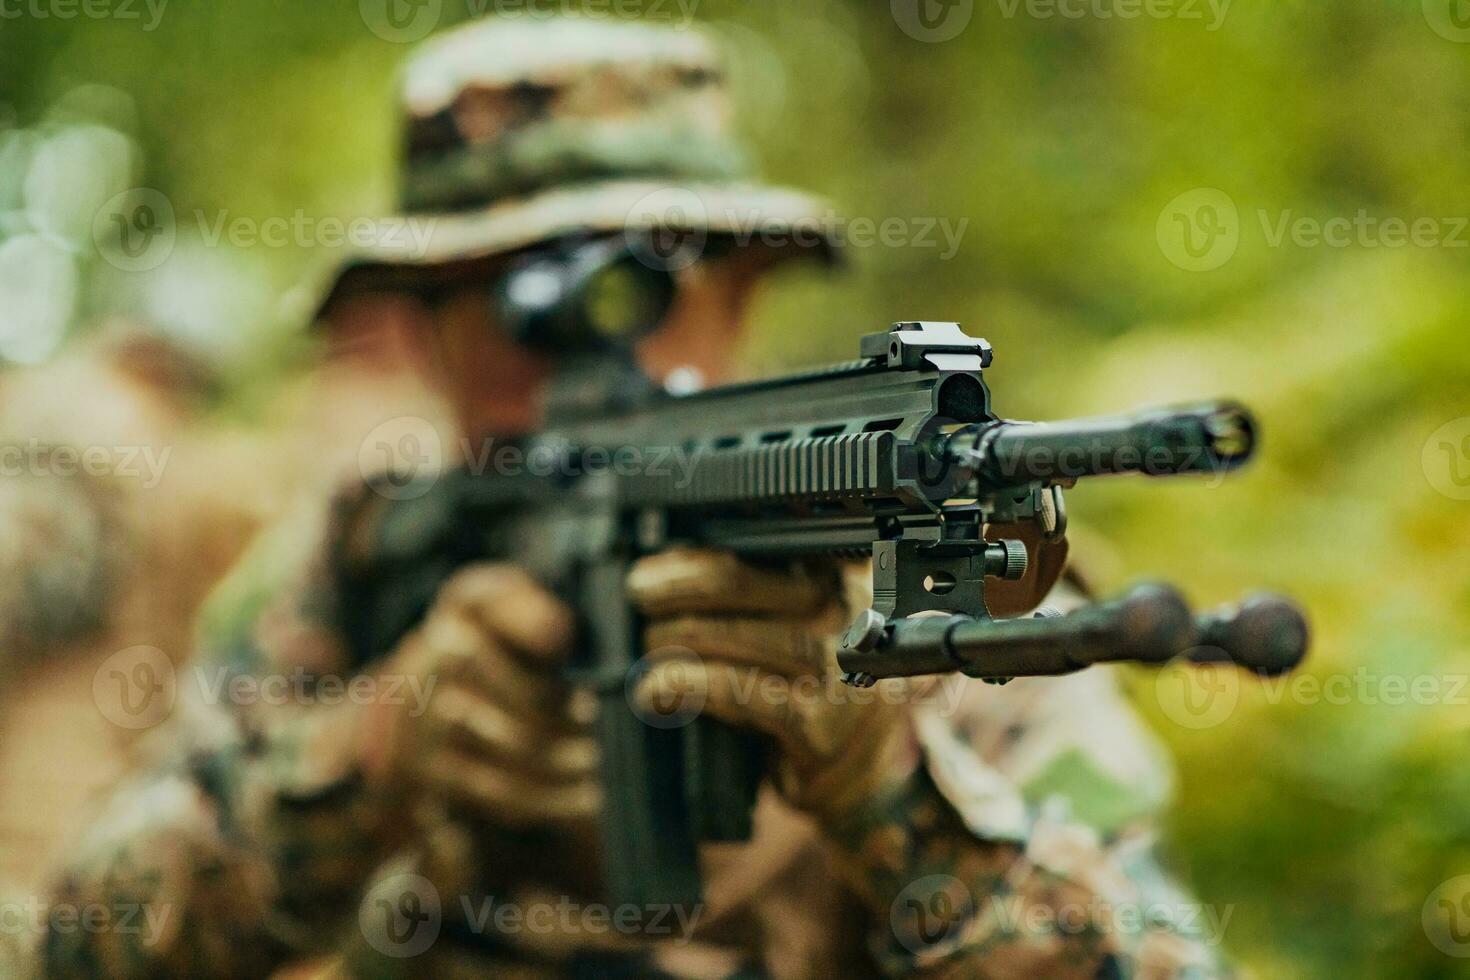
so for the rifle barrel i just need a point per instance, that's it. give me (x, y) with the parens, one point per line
(1209, 438)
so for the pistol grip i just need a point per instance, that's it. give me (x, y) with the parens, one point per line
(649, 849)
(723, 768)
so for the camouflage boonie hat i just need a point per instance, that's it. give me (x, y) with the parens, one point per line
(520, 131)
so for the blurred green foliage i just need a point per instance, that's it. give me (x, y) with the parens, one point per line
(1325, 821)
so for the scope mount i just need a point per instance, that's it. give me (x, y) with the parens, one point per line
(940, 344)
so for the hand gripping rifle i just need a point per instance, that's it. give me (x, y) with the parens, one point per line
(897, 456)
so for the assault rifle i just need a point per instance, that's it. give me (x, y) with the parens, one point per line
(898, 456)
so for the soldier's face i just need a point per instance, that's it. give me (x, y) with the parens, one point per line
(495, 383)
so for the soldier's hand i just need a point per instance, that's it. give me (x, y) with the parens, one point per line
(497, 735)
(756, 648)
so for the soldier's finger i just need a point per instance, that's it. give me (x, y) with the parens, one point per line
(507, 796)
(511, 605)
(781, 646)
(483, 727)
(464, 653)
(687, 580)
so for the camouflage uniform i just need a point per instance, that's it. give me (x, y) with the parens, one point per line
(1004, 854)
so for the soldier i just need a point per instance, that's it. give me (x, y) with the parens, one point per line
(995, 835)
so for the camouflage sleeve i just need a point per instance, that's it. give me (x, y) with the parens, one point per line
(246, 837)
(1024, 846)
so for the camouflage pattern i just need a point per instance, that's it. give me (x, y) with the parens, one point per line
(517, 132)
(508, 109)
(1021, 848)
(64, 538)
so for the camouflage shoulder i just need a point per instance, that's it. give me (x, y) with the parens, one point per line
(277, 601)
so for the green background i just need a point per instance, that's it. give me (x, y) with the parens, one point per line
(1327, 817)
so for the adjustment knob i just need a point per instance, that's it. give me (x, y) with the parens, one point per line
(1007, 559)
(866, 633)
